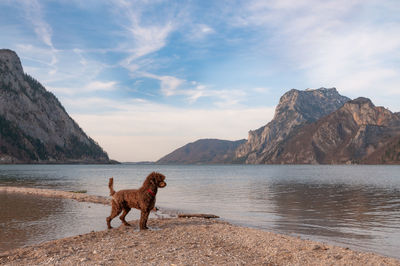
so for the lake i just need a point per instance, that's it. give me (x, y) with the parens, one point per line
(350, 205)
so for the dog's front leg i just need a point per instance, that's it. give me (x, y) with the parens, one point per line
(144, 215)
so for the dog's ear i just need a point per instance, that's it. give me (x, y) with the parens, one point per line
(153, 180)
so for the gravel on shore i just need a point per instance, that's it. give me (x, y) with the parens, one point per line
(182, 241)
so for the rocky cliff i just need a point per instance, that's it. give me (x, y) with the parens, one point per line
(204, 151)
(295, 109)
(358, 132)
(311, 127)
(34, 126)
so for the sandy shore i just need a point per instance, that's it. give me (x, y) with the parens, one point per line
(51, 193)
(180, 241)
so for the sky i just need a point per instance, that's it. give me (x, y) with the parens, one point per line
(143, 78)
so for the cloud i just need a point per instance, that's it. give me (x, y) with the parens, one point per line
(147, 37)
(157, 129)
(93, 86)
(146, 40)
(34, 14)
(352, 45)
(76, 71)
(141, 39)
(100, 85)
(221, 98)
(169, 84)
(199, 32)
(358, 60)
(193, 91)
(80, 52)
(261, 90)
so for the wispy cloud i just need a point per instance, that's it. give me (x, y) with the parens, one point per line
(193, 91)
(221, 98)
(33, 11)
(169, 84)
(351, 45)
(34, 15)
(146, 40)
(93, 86)
(200, 31)
(141, 38)
(76, 73)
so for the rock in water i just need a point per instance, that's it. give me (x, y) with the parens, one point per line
(34, 126)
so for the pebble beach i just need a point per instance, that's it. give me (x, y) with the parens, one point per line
(185, 241)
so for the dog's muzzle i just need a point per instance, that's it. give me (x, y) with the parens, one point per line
(162, 184)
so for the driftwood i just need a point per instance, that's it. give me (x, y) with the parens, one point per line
(197, 215)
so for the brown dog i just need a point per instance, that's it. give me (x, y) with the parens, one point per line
(143, 199)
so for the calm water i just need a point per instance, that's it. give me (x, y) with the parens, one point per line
(351, 206)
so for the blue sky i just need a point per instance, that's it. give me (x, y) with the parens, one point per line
(145, 77)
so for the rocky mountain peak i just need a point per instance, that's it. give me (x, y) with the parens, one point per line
(34, 126)
(310, 103)
(9, 62)
(315, 126)
(361, 101)
(364, 112)
(358, 132)
(295, 108)
(7, 55)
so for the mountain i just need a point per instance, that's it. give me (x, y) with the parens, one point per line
(358, 132)
(203, 151)
(310, 127)
(295, 109)
(34, 126)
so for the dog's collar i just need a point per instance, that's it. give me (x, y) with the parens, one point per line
(151, 192)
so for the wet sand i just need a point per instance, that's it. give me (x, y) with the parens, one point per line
(183, 241)
(57, 194)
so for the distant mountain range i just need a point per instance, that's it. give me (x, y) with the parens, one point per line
(34, 126)
(309, 127)
(203, 151)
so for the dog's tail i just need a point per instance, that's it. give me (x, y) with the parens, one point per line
(110, 186)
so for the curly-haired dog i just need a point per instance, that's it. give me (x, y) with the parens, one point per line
(143, 199)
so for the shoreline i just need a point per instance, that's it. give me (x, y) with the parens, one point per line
(188, 241)
(52, 193)
(180, 241)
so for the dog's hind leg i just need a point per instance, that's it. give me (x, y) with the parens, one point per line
(115, 210)
(122, 217)
(144, 215)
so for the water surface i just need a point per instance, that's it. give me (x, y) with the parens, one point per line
(351, 206)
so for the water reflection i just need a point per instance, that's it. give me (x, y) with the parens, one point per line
(338, 213)
(28, 219)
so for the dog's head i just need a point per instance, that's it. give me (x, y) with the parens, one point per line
(158, 179)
